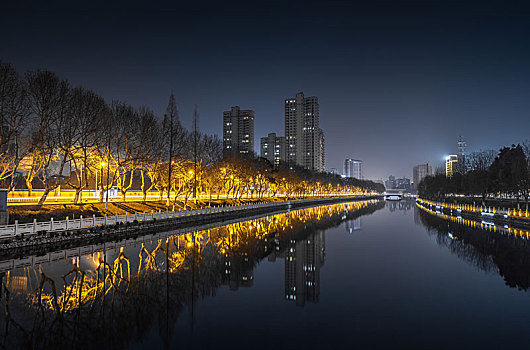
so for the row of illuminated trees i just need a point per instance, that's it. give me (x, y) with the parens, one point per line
(54, 135)
(505, 174)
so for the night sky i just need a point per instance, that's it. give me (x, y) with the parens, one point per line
(397, 81)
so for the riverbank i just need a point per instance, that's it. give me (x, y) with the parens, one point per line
(489, 215)
(485, 202)
(44, 236)
(27, 213)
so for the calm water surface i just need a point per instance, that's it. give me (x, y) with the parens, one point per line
(357, 275)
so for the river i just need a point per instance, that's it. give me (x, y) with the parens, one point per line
(369, 274)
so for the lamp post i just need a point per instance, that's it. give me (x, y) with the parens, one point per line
(81, 184)
(101, 165)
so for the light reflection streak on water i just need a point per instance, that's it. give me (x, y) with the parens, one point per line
(79, 287)
(483, 225)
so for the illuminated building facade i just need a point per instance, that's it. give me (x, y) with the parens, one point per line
(272, 148)
(238, 132)
(304, 140)
(450, 165)
(456, 163)
(403, 183)
(400, 183)
(353, 168)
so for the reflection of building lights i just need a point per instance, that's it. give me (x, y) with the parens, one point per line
(236, 238)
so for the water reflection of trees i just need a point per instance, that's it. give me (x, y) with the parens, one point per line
(490, 251)
(122, 295)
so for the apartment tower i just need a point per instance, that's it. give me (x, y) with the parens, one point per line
(420, 171)
(353, 168)
(238, 132)
(272, 148)
(304, 140)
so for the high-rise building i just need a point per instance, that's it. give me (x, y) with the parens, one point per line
(352, 168)
(304, 140)
(456, 163)
(238, 132)
(319, 151)
(390, 183)
(272, 148)
(461, 156)
(403, 183)
(419, 172)
(450, 165)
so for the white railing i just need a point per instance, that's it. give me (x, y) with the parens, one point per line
(9, 231)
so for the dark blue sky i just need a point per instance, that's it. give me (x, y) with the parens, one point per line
(397, 81)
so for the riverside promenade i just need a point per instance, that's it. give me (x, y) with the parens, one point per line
(23, 238)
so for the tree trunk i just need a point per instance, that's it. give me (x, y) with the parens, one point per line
(29, 186)
(44, 196)
(77, 193)
(49, 188)
(143, 185)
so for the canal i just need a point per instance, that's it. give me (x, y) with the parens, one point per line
(367, 274)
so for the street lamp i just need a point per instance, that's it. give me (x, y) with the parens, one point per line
(101, 165)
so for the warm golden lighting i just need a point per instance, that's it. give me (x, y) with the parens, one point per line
(85, 287)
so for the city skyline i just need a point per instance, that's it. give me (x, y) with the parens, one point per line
(405, 80)
(173, 171)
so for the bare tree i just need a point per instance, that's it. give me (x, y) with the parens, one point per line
(176, 149)
(14, 113)
(480, 160)
(149, 148)
(125, 153)
(169, 123)
(48, 96)
(87, 112)
(106, 145)
(526, 147)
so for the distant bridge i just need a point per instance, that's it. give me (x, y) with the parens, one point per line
(394, 194)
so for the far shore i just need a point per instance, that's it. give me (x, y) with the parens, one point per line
(486, 202)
